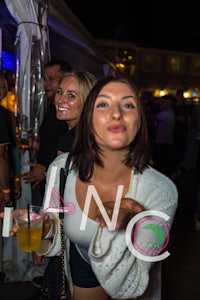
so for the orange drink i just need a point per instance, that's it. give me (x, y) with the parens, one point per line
(29, 224)
(29, 236)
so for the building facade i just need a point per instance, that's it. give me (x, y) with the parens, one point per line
(155, 69)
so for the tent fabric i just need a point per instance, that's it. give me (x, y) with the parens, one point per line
(77, 45)
(68, 38)
(30, 47)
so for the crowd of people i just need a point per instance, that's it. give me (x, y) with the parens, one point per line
(123, 145)
(173, 123)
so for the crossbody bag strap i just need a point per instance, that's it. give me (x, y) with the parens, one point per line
(65, 293)
(63, 177)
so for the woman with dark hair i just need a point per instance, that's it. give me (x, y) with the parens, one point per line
(113, 244)
(137, 151)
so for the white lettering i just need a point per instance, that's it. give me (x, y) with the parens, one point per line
(91, 192)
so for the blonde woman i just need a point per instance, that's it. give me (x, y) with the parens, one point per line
(69, 100)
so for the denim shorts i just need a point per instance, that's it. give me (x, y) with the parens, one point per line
(81, 271)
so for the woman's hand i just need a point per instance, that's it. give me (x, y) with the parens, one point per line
(14, 227)
(128, 209)
(20, 212)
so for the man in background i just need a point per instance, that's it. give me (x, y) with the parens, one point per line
(164, 139)
(49, 132)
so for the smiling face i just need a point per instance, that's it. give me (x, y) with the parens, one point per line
(115, 117)
(68, 101)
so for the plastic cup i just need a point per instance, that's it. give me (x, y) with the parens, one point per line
(29, 222)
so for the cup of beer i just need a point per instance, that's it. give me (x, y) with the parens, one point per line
(29, 222)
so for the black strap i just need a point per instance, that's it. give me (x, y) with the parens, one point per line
(63, 177)
(65, 293)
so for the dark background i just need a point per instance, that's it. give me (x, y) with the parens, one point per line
(171, 25)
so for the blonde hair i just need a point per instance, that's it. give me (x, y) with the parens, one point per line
(86, 81)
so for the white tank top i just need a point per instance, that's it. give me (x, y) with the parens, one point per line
(72, 222)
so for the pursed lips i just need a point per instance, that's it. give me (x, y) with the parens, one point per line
(116, 128)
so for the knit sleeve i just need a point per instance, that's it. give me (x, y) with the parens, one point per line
(124, 266)
(119, 272)
(52, 246)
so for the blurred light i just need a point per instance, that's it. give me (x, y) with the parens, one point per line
(186, 95)
(8, 61)
(194, 94)
(9, 102)
(162, 93)
(120, 66)
(196, 100)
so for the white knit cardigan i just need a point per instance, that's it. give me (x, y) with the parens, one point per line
(119, 272)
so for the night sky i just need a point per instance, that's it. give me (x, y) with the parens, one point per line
(172, 25)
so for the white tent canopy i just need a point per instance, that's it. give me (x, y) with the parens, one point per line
(69, 39)
(76, 44)
(58, 32)
(30, 47)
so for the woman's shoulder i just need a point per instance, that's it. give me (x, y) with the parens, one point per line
(155, 191)
(60, 160)
(153, 177)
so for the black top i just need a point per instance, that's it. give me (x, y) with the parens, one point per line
(50, 131)
(4, 126)
(66, 140)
